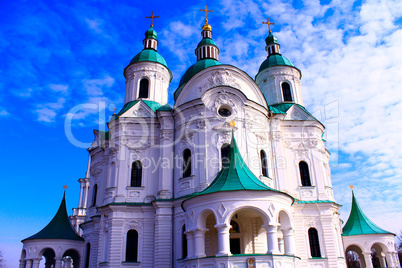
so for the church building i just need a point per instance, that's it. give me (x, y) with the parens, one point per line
(234, 174)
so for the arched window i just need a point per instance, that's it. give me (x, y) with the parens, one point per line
(304, 174)
(144, 89)
(314, 242)
(225, 151)
(87, 254)
(94, 195)
(287, 96)
(183, 242)
(136, 174)
(132, 246)
(264, 166)
(186, 163)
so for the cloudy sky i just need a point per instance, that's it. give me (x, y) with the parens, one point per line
(57, 56)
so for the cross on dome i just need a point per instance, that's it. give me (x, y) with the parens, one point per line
(152, 18)
(269, 24)
(206, 12)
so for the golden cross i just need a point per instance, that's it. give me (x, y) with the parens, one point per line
(206, 12)
(152, 18)
(269, 24)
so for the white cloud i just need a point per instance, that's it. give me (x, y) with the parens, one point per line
(4, 113)
(47, 112)
(95, 24)
(59, 88)
(94, 87)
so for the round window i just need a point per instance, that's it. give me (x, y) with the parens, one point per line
(224, 112)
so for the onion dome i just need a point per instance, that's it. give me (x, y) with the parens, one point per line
(207, 48)
(207, 56)
(360, 224)
(275, 57)
(59, 227)
(149, 53)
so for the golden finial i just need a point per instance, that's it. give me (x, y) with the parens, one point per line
(269, 24)
(232, 123)
(351, 187)
(152, 18)
(206, 26)
(65, 187)
(114, 110)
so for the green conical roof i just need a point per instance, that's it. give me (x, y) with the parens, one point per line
(235, 176)
(150, 33)
(358, 223)
(59, 227)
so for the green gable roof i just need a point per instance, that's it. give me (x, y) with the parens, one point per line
(153, 105)
(282, 108)
(235, 176)
(149, 55)
(360, 224)
(59, 227)
(193, 70)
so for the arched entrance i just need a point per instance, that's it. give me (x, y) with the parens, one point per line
(211, 236)
(285, 234)
(355, 257)
(378, 256)
(71, 258)
(49, 255)
(247, 236)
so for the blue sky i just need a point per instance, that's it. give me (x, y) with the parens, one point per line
(56, 55)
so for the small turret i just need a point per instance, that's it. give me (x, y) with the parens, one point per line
(207, 48)
(277, 77)
(147, 75)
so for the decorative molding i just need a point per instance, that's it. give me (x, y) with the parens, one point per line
(219, 78)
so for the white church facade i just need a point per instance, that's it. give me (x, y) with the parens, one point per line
(235, 174)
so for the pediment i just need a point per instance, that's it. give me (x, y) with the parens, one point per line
(297, 113)
(140, 109)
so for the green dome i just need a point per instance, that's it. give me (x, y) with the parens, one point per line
(206, 41)
(196, 68)
(271, 39)
(151, 33)
(193, 70)
(149, 55)
(275, 60)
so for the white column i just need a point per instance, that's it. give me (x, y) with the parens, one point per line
(29, 264)
(272, 239)
(22, 264)
(199, 243)
(58, 262)
(190, 244)
(382, 260)
(81, 193)
(390, 260)
(290, 248)
(223, 240)
(367, 260)
(35, 263)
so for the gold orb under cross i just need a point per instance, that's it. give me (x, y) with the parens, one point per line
(232, 123)
(351, 187)
(65, 187)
